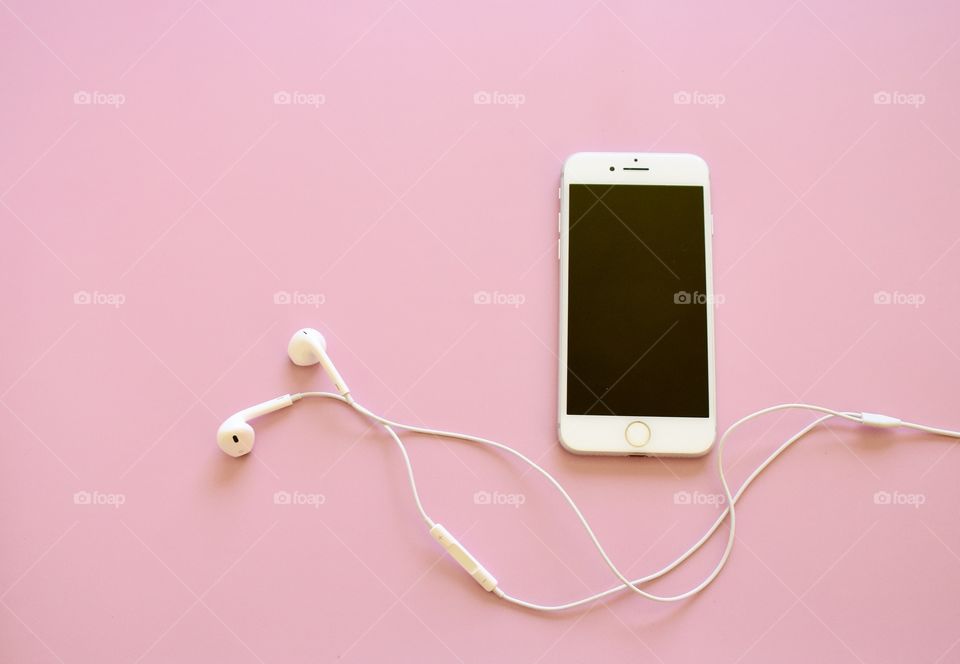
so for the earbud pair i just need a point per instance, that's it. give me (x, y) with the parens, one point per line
(306, 348)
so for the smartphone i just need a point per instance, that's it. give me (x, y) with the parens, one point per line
(636, 371)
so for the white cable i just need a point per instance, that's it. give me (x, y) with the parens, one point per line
(396, 439)
(731, 499)
(933, 430)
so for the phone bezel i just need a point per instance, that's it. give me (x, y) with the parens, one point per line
(605, 434)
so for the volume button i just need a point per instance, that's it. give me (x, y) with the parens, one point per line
(559, 223)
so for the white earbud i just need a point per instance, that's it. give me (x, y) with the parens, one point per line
(235, 435)
(308, 347)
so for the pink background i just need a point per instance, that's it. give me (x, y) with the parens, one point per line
(198, 199)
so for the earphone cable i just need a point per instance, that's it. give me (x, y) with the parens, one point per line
(626, 584)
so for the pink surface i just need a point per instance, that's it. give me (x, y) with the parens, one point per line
(381, 199)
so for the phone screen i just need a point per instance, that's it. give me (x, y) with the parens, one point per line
(637, 307)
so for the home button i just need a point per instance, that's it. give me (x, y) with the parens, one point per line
(637, 434)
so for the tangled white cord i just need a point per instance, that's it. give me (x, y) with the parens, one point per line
(489, 582)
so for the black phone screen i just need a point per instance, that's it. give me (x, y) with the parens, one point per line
(637, 304)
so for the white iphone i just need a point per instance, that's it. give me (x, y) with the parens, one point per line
(636, 305)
